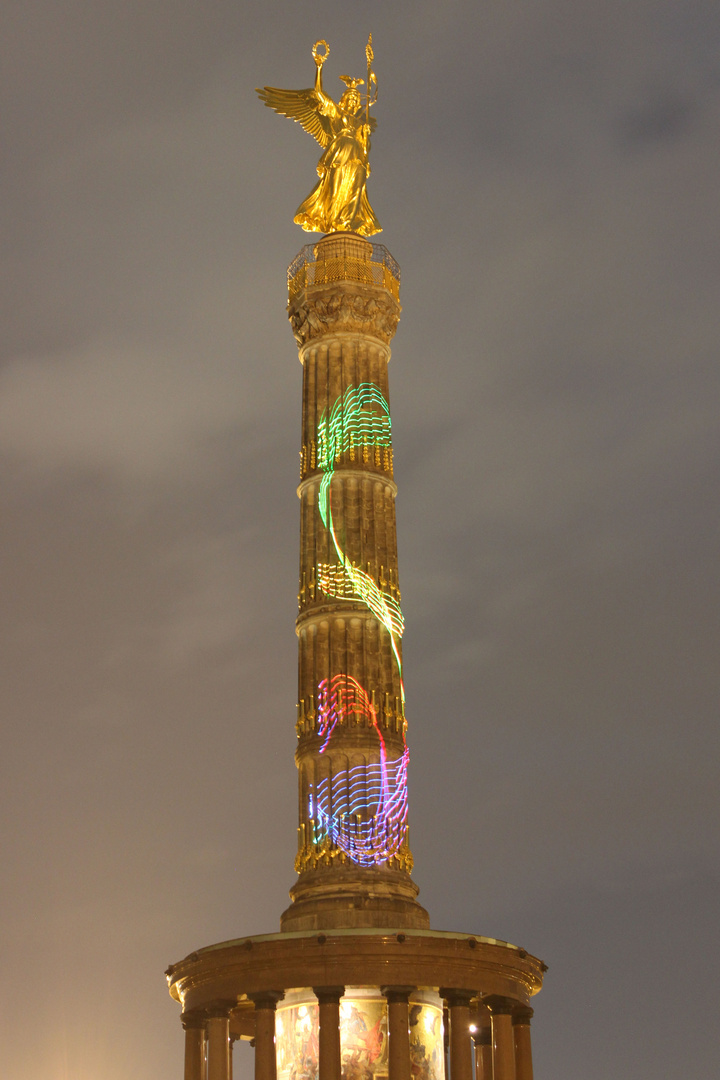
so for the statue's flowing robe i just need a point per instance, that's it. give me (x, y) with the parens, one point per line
(339, 200)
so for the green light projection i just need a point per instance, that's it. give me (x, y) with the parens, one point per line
(363, 809)
(360, 417)
(351, 423)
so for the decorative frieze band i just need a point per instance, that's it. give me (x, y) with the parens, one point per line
(311, 590)
(313, 856)
(375, 457)
(334, 310)
(391, 715)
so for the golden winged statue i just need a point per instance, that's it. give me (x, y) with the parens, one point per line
(338, 202)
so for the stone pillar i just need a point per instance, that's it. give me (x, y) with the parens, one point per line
(266, 1061)
(398, 1031)
(343, 307)
(523, 1050)
(329, 1065)
(503, 1044)
(218, 1042)
(461, 1063)
(265, 1057)
(194, 1025)
(483, 1052)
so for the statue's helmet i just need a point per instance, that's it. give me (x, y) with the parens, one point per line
(351, 100)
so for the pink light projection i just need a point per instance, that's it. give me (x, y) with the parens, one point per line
(362, 808)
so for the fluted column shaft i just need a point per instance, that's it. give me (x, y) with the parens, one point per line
(398, 1031)
(523, 1048)
(352, 754)
(265, 1056)
(349, 655)
(218, 1046)
(502, 1039)
(329, 1060)
(482, 1039)
(194, 1025)
(461, 1062)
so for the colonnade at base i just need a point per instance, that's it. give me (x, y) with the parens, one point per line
(432, 1005)
(485, 1040)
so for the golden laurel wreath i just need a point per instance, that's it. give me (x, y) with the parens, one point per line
(322, 57)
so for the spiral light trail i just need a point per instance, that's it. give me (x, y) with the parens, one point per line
(363, 809)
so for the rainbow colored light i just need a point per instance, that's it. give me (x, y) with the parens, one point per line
(362, 808)
(347, 580)
(360, 417)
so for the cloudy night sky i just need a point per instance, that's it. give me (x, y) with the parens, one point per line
(547, 176)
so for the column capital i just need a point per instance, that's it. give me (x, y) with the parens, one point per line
(482, 1036)
(455, 997)
(461, 1053)
(522, 1015)
(328, 995)
(397, 993)
(193, 1020)
(265, 1059)
(268, 999)
(480, 1016)
(500, 1006)
(220, 1009)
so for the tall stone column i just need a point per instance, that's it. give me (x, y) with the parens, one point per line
(523, 1049)
(461, 1061)
(503, 1047)
(329, 1060)
(483, 1042)
(398, 1024)
(265, 1056)
(194, 1025)
(353, 857)
(482, 1039)
(218, 1043)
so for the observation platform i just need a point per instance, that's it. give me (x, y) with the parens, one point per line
(343, 257)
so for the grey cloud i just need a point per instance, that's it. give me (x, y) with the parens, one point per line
(666, 114)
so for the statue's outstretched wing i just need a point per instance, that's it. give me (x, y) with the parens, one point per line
(307, 107)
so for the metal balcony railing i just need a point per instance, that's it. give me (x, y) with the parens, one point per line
(343, 258)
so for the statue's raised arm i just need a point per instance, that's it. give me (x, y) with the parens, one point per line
(339, 202)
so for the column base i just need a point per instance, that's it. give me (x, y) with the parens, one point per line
(347, 898)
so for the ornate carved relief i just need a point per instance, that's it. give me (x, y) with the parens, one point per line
(335, 310)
